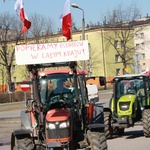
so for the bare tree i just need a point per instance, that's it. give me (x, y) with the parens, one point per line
(94, 62)
(9, 26)
(41, 26)
(121, 33)
(3, 79)
(24, 73)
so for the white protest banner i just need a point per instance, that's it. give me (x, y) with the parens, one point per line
(52, 52)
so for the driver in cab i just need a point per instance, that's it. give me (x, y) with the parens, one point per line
(61, 87)
(62, 93)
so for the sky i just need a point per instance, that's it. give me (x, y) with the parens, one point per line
(94, 10)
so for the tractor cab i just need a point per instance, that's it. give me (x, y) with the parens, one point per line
(60, 86)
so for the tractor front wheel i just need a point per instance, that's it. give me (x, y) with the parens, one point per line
(146, 122)
(97, 140)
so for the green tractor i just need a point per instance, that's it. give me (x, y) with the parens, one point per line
(129, 105)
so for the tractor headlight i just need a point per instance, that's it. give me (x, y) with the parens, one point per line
(64, 124)
(51, 126)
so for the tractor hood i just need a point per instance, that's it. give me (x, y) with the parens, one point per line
(125, 105)
(58, 115)
(128, 97)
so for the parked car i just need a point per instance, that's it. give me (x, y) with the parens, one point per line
(92, 92)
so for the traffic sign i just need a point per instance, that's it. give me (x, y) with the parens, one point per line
(25, 87)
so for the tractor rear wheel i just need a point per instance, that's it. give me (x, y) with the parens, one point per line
(23, 142)
(108, 128)
(146, 122)
(97, 140)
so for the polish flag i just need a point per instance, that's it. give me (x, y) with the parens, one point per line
(66, 21)
(20, 12)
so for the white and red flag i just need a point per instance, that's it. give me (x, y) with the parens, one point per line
(19, 8)
(66, 21)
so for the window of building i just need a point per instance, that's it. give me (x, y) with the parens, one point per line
(14, 68)
(80, 37)
(137, 46)
(136, 36)
(86, 37)
(142, 35)
(14, 79)
(8, 57)
(118, 72)
(117, 58)
(116, 43)
(142, 45)
(122, 44)
(143, 55)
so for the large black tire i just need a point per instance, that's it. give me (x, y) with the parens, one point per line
(146, 122)
(97, 140)
(23, 142)
(108, 127)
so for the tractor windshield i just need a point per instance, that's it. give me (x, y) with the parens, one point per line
(56, 87)
(129, 87)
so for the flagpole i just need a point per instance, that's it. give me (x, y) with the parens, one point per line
(83, 28)
(25, 38)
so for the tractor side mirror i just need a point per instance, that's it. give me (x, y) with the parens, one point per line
(102, 80)
(11, 87)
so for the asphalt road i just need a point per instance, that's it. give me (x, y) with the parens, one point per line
(132, 140)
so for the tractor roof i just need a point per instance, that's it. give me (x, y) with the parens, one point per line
(62, 71)
(130, 76)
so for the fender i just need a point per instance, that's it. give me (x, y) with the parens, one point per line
(28, 120)
(106, 109)
(95, 113)
(147, 107)
(18, 132)
(96, 117)
(98, 126)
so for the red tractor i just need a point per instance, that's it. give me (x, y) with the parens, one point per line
(59, 116)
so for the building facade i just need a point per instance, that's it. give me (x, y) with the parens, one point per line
(104, 59)
(142, 43)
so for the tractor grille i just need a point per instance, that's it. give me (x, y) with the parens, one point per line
(58, 132)
(124, 105)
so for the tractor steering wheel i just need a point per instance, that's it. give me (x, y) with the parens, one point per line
(58, 98)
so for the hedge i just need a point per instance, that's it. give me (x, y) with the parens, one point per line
(17, 96)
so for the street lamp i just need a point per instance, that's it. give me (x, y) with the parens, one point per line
(83, 28)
